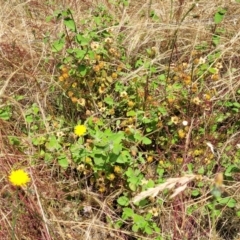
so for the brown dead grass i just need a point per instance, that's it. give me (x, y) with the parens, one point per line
(53, 207)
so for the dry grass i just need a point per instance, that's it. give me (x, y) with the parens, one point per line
(55, 207)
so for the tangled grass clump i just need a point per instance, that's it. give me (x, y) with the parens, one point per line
(134, 124)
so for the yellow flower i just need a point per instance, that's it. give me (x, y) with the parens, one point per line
(94, 45)
(196, 100)
(123, 94)
(74, 99)
(80, 130)
(114, 75)
(61, 78)
(149, 159)
(154, 211)
(19, 178)
(175, 119)
(108, 40)
(82, 102)
(102, 189)
(81, 167)
(181, 133)
(64, 69)
(117, 169)
(111, 177)
(88, 160)
(131, 104)
(65, 75)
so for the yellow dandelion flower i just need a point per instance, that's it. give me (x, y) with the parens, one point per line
(80, 130)
(19, 178)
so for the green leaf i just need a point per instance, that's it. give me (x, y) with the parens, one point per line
(117, 148)
(58, 45)
(236, 104)
(99, 160)
(162, 77)
(109, 100)
(195, 193)
(38, 140)
(5, 113)
(201, 170)
(218, 17)
(148, 230)
(63, 161)
(82, 69)
(48, 157)
(127, 213)
(238, 213)
(146, 141)
(123, 201)
(69, 23)
(230, 202)
(132, 186)
(52, 143)
(80, 54)
(163, 110)
(138, 136)
(83, 41)
(216, 40)
(118, 224)
(231, 169)
(14, 140)
(49, 18)
(135, 228)
(131, 113)
(124, 157)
